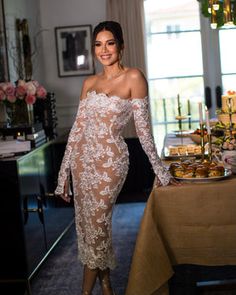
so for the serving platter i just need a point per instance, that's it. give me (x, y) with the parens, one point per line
(180, 157)
(168, 156)
(227, 174)
(182, 133)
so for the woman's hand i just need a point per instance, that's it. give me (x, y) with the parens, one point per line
(173, 181)
(65, 196)
(157, 182)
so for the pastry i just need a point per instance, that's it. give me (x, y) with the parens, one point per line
(191, 148)
(186, 163)
(182, 149)
(173, 166)
(189, 172)
(179, 171)
(173, 150)
(201, 171)
(216, 171)
(197, 150)
(196, 169)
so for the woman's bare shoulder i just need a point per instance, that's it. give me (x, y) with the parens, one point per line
(90, 81)
(137, 83)
(87, 84)
(135, 73)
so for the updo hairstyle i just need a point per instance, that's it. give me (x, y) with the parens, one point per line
(114, 28)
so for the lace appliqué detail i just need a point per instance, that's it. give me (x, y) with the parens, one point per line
(97, 157)
(143, 129)
(74, 138)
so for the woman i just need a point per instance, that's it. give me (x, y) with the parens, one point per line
(97, 155)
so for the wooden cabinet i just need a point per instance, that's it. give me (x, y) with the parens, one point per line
(32, 219)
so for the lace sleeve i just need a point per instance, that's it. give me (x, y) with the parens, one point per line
(74, 137)
(143, 129)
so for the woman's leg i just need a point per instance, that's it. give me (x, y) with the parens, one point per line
(104, 278)
(89, 279)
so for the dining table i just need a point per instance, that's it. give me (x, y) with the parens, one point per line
(192, 223)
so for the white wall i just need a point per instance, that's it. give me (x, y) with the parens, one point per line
(56, 13)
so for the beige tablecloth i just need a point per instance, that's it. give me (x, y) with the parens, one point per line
(193, 223)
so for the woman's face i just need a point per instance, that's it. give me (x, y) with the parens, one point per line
(105, 48)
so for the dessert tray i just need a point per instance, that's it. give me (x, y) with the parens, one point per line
(177, 152)
(227, 174)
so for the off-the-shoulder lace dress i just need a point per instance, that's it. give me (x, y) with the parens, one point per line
(97, 156)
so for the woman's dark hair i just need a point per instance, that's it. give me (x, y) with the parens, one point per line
(114, 28)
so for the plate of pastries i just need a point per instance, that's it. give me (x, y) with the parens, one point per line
(198, 171)
(177, 151)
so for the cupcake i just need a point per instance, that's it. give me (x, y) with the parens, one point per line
(201, 171)
(173, 166)
(189, 172)
(179, 172)
(216, 171)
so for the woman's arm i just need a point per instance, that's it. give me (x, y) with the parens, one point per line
(74, 137)
(140, 106)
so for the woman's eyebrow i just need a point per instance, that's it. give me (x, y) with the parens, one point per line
(97, 41)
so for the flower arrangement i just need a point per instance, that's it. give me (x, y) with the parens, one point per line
(19, 100)
(22, 91)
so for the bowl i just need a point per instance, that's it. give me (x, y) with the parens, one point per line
(197, 138)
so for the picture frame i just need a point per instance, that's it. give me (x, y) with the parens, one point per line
(74, 50)
(4, 69)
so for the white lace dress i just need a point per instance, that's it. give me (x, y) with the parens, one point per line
(97, 156)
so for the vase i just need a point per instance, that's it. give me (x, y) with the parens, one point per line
(19, 114)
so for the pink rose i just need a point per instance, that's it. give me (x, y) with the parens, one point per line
(41, 92)
(30, 88)
(11, 98)
(30, 99)
(10, 89)
(36, 83)
(20, 91)
(21, 83)
(4, 86)
(2, 95)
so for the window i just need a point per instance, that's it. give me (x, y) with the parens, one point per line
(174, 62)
(227, 39)
(184, 56)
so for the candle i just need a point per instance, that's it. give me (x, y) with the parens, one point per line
(200, 112)
(208, 123)
(189, 114)
(179, 106)
(189, 108)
